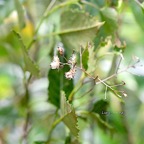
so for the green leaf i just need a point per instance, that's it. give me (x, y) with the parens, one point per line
(138, 13)
(20, 12)
(3, 51)
(85, 57)
(96, 117)
(78, 28)
(92, 60)
(29, 64)
(141, 4)
(109, 15)
(99, 107)
(101, 123)
(68, 140)
(114, 3)
(58, 82)
(69, 116)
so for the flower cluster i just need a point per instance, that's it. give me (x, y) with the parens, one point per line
(70, 74)
(56, 64)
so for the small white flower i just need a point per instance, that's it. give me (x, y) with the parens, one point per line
(55, 64)
(72, 59)
(70, 74)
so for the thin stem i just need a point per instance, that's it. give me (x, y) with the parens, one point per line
(55, 123)
(100, 81)
(68, 31)
(76, 88)
(116, 85)
(108, 87)
(86, 92)
(90, 76)
(28, 116)
(45, 14)
(115, 74)
(85, 102)
(90, 4)
(25, 128)
(118, 64)
(87, 113)
(31, 43)
(80, 84)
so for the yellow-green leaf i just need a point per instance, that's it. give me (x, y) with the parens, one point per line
(69, 116)
(78, 28)
(29, 64)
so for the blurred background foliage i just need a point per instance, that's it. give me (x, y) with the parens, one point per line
(30, 92)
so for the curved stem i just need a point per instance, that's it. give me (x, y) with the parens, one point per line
(55, 123)
(48, 11)
(77, 87)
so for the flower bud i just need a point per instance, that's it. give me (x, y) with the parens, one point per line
(60, 50)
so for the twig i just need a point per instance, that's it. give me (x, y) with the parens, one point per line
(25, 128)
(87, 91)
(118, 65)
(108, 87)
(27, 119)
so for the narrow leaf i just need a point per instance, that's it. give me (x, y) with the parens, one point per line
(29, 64)
(92, 60)
(101, 122)
(98, 119)
(58, 82)
(138, 13)
(85, 57)
(99, 107)
(109, 15)
(69, 116)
